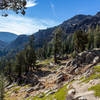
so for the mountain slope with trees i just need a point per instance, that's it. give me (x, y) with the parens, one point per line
(2, 44)
(19, 43)
(7, 36)
(77, 22)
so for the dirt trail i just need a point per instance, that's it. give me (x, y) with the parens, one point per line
(82, 90)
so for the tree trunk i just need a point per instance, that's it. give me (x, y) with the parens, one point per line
(55, 58)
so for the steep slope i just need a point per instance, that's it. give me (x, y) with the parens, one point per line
(61, 82)
(70, 26)
(18, 43)
(43, 36)
(2, 44)
(7, 37)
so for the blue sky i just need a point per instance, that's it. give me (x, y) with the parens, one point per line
(42, 14)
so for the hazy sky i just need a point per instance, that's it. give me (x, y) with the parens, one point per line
(41, 14)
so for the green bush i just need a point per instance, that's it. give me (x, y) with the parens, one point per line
(96, 88)
(74, 54)
(95, 75)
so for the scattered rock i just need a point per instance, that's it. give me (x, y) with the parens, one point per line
(31, 79)
(86, 57)
(69, 86)
(61, 68)
(89, 57)
(54, 72)
(71, 94)
(54, 88)
(10, 86)
(41, 96)
(46, 91)
(37, 87)
(82, 98)
(60, 78)
(94, 82)
(88, 73)
(77, 71)
(96, 59)
(68, 63)
(31, 89)
(69, 97)
(27, 95)
(50, 93)
(51, 65)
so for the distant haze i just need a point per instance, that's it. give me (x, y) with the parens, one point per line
(7, 37)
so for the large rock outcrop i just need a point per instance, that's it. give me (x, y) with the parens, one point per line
(85, 58)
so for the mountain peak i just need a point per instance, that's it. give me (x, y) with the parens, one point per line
(98, 14)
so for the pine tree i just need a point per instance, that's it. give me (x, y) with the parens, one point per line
(97, 37)
(2, 87)
(57, 42)
(69, 44)
(49, 49)
(30, 56)
(45, 49)
(39, 53)
(8, 71)
(20, 64)
(90, 44)
(80, 40)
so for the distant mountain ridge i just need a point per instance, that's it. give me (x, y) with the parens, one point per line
(7, 36)
(18, 43)
(77, 22)
(70, 26)
(2, 44)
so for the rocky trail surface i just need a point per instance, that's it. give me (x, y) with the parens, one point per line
(51, 78)
(82, 91)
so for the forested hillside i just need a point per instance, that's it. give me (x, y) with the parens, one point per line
(77, 22)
